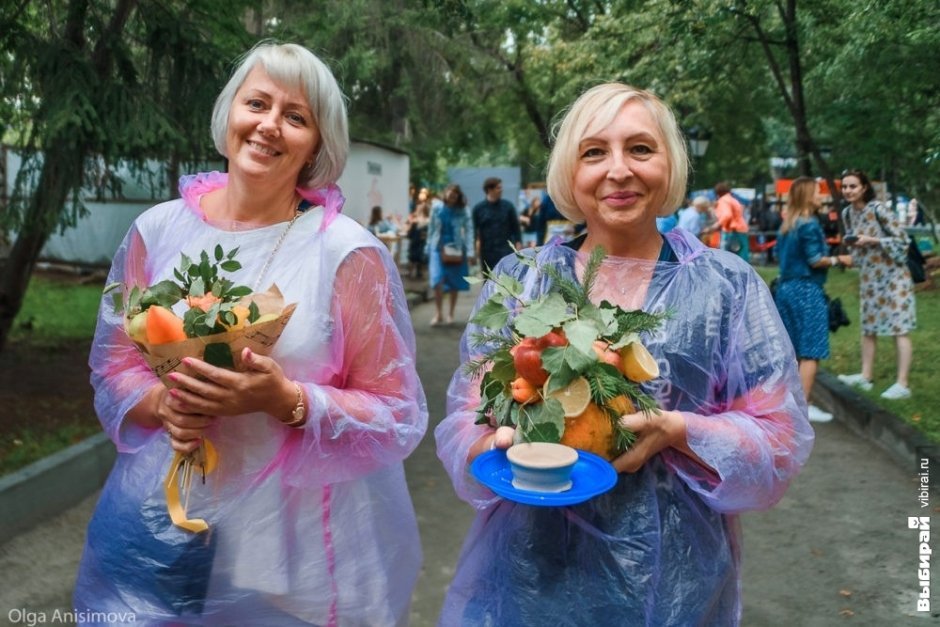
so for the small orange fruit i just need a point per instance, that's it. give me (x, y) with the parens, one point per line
(622, 405)
(164, 326)
(523, 391)
(591, 431)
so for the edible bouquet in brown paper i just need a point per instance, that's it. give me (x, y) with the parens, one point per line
(219, 321)
(568, 369)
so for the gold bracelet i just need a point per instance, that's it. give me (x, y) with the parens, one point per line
(299, 413)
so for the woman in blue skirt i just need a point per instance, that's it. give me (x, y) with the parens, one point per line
(801, 250)
(450, 226)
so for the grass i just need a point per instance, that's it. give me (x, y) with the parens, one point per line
(56, 310)
(921, 409)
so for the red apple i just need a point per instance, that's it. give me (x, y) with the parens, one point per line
(527, 359)
(553, 338)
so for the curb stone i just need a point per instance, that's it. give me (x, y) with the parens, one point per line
(905, 444)
(53, 484)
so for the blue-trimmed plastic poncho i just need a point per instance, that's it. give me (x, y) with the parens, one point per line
(663, 547)
(312, 525)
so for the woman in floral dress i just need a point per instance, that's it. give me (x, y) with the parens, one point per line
(886, 291)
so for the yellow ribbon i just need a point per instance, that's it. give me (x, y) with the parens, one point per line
(202, 460)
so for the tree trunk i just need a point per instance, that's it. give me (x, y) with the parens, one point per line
(61, 170)
(63, 162)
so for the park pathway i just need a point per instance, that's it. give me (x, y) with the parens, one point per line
(835, 551)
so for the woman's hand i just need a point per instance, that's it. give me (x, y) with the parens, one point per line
(261, 387)
(654, 431)
(185, 428)
(867, 241)
(502, 437)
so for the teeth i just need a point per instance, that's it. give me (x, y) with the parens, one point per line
(263, 149)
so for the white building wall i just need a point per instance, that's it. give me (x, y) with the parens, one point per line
(375, 175)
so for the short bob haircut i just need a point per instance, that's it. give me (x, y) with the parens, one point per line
(293, 67)
(594, 110)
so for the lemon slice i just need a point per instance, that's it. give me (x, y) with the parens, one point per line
(638, 363)
(574, 398)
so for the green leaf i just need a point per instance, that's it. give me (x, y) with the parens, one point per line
(219, 354)
(543, 422)
(492, 315)
(508, 286)
(579, 361)
(197, 287)
(230, 266)
(556, 364)
(503, 368)
(542, 316)
(218, 252)
(118, 300)
(582, 334)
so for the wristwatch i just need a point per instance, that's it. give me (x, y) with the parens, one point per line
(299, 412)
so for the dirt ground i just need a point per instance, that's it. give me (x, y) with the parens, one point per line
(47, 387)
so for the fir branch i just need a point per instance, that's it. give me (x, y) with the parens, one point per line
(496, 340)
(570, 290)
(475, 367)
(593, 267)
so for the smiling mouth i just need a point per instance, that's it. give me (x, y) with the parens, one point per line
(619, 198)
(265, 150)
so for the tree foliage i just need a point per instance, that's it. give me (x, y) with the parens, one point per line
(91, 82)
(470, 82)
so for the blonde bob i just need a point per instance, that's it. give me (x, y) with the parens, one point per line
(594, 110)
(295, 67)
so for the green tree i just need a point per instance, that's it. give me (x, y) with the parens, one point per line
(98, 82)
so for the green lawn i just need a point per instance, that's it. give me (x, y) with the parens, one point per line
(921, 410)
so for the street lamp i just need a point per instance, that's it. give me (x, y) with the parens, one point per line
(698, 141)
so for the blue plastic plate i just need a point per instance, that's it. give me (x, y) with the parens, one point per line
(592, 475)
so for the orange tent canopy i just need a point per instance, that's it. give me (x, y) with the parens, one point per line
(782, 186)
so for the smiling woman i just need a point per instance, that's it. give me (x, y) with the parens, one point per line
(311, 438)
(661, 547)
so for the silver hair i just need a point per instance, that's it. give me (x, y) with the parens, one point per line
(596, 108)
(294, 66)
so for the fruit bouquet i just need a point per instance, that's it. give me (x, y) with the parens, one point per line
(568, 369)
(220, 319)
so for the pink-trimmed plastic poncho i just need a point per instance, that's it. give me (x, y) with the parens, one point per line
(307, 526)
(663, 546)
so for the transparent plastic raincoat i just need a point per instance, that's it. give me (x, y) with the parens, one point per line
(663, 546)
(307, 526)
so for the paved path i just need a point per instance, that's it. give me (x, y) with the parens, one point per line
(835, 551)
